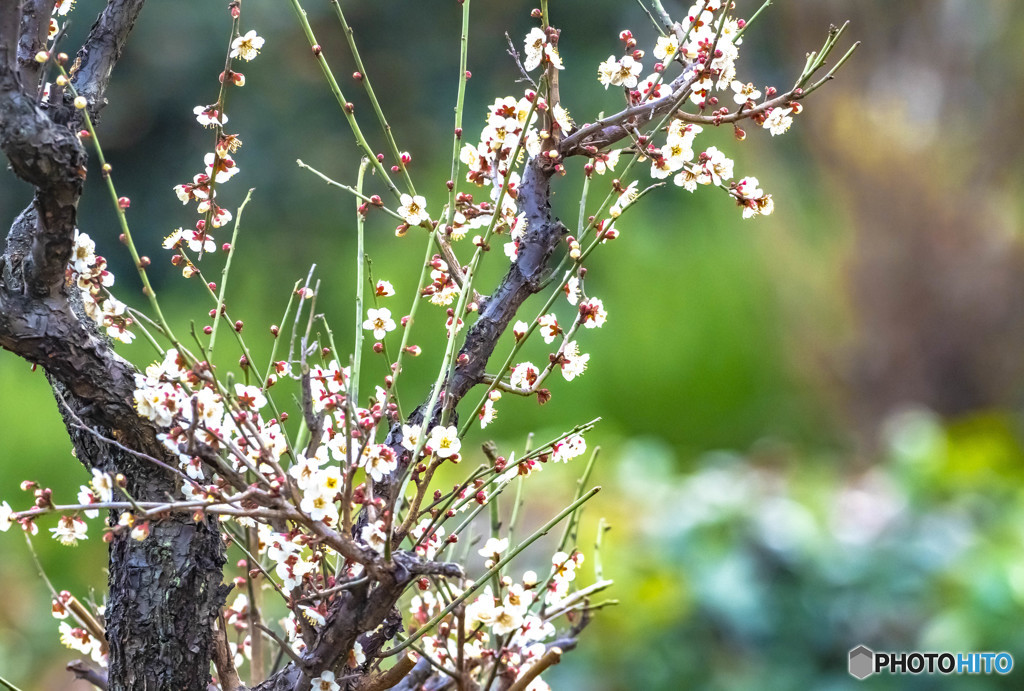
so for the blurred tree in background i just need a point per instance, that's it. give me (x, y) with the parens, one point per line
(857, 355)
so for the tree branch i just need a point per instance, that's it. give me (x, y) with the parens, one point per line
(103, 49)
(82, 670)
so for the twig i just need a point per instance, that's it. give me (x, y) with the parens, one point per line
(82, 670)
(391, 677)
(284, 645)
(222, 659)
(552, 657)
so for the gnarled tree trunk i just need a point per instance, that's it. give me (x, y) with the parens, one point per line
(166, 590)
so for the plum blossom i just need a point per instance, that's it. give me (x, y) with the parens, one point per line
(246, 47)
(413, 209)
(250, 396)
(6, 513)
(666, 47)
(744, 92)
(778, 121)
(325, 682)
(626, 197)
(445, 441)
(625, 71)
(69, 530)
(84, 253)
(506, 621)
(548, 327)
(379, 321)
(489, 412)
(716, 167)
(573, 363)
(410, 436)
(209, 116)
(572, 290)
(592, 313)
(568, 448)
(380, 461)
(493, 547)
(81, 640)
(524, 375)
(374, 536)
(534, 48)
(753, 200)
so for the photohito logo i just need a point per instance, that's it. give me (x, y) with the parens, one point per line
(864, 662)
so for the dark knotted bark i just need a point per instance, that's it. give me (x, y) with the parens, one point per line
(525, 277)
(165, 591)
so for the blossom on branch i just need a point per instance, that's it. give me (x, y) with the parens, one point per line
(246, 47)
(379, 321)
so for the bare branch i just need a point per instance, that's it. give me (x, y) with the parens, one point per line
(392, 677)
(102, 50)
(222, 659)
(35, 25)
(82, 670)
(552, 657)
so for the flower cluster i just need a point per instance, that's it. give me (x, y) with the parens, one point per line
(89, 272)
(496, 625)
(706, 45)
(220, 167)
(511, 124)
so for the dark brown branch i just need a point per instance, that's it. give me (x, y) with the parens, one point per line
(103, 49)
(392, 677)
(49, 157)
(552, 657)
(35, 26)
(524, 278)
(10, 30)
(223, 661)
(414, 680)
(82, 670)
(613, 128)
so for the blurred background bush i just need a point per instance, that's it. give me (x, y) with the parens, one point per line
(811, 421)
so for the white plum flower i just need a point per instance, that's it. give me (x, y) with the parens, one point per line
(246, 47)
(413, 209)
(445, 441)
(379, 321)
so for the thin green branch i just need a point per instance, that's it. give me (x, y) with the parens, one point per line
(512, 554)
(365, 79)
(225, 272)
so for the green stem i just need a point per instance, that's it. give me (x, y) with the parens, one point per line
(218, 129)
(347, 188)
(750, 21)
(573, 521)
(350, 37)
(225, 272)
(8, 685)
(460, 101)
(346, 108)
(122, 220)
(480, 582)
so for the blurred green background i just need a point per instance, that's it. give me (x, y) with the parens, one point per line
(811, 422)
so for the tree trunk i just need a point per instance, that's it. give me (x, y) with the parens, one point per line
(165, 591)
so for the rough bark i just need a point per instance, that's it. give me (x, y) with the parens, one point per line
(166, 590)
